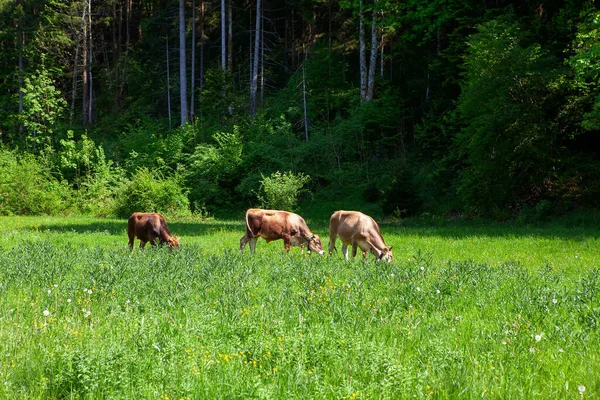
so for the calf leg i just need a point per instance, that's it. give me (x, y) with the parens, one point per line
(354, 248)
(131, 239)
(243, 241)
(287, 242)
(142, 244)
(331, 243)
(253, 244)
(345, 250)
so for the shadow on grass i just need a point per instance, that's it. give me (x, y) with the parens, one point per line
(444, 229)
(119, 228)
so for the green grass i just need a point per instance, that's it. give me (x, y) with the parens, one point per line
(465, 311)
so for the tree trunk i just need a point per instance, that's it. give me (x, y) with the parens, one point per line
(223, 37)
(193, 77)
(182, 64)
(85, 52)
(230, 37)
(262, 61)
(21, 35)
(254, 82)
(372, 60)
(201, 43)
(304, 102)
(363, 55)
(91, 79)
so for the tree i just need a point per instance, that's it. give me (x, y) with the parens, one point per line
(182, 65)
(254, 70)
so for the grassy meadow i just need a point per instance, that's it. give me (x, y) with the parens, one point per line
(466, 310)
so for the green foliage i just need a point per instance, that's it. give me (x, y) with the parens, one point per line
(212, 170)
(28, 188)
(150, 191)
(586, 65)
(147, 143)
(43, 105)
(508, 141)
(280, 191)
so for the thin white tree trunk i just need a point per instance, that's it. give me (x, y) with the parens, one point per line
(90, 103)
(304, 101)
(182, 64)
(262, 62)
(201, 43)
(372, 60)
(223, 37)
(85, 86)
(193, 77)
(363, 55)
(254, 83)
(21, 35)
(230, 36)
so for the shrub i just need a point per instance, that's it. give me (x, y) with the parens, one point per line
(150, 191)
(28, 188)
(280, 191)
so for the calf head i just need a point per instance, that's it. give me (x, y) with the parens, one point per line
(386, 254)
(173, 241)
(314, 244)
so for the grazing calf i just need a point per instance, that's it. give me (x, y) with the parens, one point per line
(147, 227)
(359, 230)
(273, 225)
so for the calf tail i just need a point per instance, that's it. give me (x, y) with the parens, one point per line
(249, 232)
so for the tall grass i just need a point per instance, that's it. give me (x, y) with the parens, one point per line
(462, 313)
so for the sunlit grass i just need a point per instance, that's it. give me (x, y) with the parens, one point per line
(464, 311)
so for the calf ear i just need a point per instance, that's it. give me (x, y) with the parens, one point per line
(390, 248)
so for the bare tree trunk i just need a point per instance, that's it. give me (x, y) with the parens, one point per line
(21, 34)
(168, 82)
(85, 52)
(223, 37)
(74, 83)
(182, 64)
(304, 101)
(262, 61)
(90, 103)
(381, 59)
(193, 77)
(372, 60)
(201, 43)
(363, 55)
(230, 37)
(254, 82)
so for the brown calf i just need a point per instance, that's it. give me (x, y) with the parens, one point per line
(273, 225)
(148, 227)
(359, 230)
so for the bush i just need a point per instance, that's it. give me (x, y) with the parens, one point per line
(280, 191)
(150, 191)
(28, 188)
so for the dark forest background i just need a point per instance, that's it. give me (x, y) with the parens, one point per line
(476, 107)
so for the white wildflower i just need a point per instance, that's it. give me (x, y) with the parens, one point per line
(581, 389)
(538, 337)
(46, 313)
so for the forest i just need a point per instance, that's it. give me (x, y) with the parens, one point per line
(470, 108)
